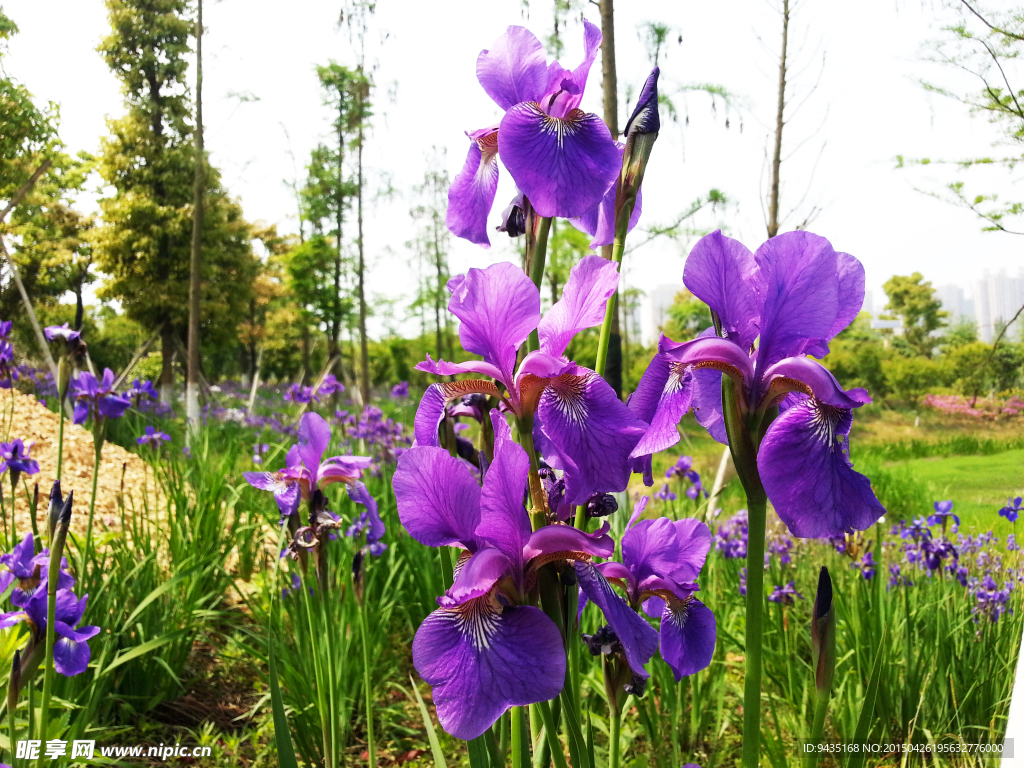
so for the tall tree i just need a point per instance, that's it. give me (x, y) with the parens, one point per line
(431, 245)
(195, 257)
(144, 245)
(912, 299)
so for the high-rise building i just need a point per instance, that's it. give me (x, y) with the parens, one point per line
(997, 298)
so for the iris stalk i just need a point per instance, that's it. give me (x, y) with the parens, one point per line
(52, 577)
(536, 258)
(371, 744)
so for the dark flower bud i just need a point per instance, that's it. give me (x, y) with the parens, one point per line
(636, 686)
(604, 641)
(645, 117)
(823, 635)
(601, 505)
(641, 133)
(513, 218)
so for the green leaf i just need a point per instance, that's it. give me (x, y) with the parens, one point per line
(141, 650)
(435, 745)
(868, 708)
(156, 593)
(478, 753)
(282, 735)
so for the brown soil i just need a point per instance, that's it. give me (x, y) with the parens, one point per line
(34, 423)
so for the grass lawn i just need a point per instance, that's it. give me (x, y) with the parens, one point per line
(978, 486)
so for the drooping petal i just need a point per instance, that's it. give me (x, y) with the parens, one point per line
(431, 408)
(801, 296)
(707, 403)
(723, 274)
(477, 577)
(589, 432)
(599, 221)
(638, 638)
(687, 637)
(438, 499)
(804, 462)
(563, 165)
(286, 491)
(471, 194)
(514, 69)
(360, 495)
(442, 367)
(497, 308)
(552, 539)
(710, 352)
(113, 406)
(800, 374)
(81, 412)
(71, 650)
(662, 398)
(591, 283)
(483, 658)
(504, 522)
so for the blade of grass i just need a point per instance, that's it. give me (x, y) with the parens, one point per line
(867, 710)
(435, 745)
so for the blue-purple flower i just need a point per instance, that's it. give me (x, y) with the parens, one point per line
(71, 651)
(400, 391)
(791, 297)
(562, 159)
(1012, 509)
(785, 595)
(484, 650)
(579, 425)
(943, 511)
(28, 571)
(96, 397)
(153, 437)
(661, 560)
(14, 457)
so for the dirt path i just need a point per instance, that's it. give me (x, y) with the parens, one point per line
(34, 423)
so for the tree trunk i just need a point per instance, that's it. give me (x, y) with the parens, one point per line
(773, 200)
(167, 359)
(609, 85)
(195, 262)
(364, 353)
(333, 349)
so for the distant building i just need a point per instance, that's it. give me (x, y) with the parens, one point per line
(661, 299)
(996, 300)
(869, 303)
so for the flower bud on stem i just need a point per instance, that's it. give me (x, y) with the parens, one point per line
(823, 655)
(57, 543)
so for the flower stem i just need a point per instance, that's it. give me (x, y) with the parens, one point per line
(818, 726)
(52, 577)
(535, 258)
(12, 705)
(615, 717)
(62, 393)
(371, 744)
(757, 509)
(609, 311)
(518, 758)
(92, 507)
(552, 734)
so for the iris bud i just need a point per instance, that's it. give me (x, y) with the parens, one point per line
(641, 133)
(823, 635)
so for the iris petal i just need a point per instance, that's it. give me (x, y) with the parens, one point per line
(722, 272)
(438, 499)
(563, 165)
(483, 658)
(591, 283)
(687, 637)
(471, 194)
(430, 411)
(805, 466)
(504, 523)
(514, 69)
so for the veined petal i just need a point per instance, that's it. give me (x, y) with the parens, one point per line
(805, 466)
(565, 87)
(504, 522)
(483, 658)
(552, 539)
(599, 221)
(723, 274)
(442, 367)
(850, 273)
(477, 577)
(541, 365)
(638, 638)
(694, 544)
(514, 69)
(687, 637)
(497, 308)
(591, 283)
(710, 352)
(431, 408)
(801, 294)
(314, 436)
(471, 194)
(591, 433)
(801, 374)
(343, 469)
(664, 548)
(707, 402)
(662, 398)
(563, 165)
(438, 499)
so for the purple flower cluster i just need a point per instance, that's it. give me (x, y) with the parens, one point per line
(96, 397)
(785, 595)
(8, 371)
(991, 600)
(731, 536)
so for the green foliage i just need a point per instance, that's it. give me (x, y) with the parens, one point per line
(910, 378)
(688, 316)
(913, 300)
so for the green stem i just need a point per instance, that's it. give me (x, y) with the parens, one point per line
(92, 507)
(519, 760)
(756, 514)
(371, 744)
(60, 429)
(615, 716)
(552, 734)
(52, 577)
(609, 312)
(818, 726)
(12, 705)
(538, 257)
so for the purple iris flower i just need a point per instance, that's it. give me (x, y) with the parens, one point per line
(71, 651)
(140, 389)
(580, 426)
(305, 467)
(681, 467)
(785, 595)
(484, 651)
(29, 570)
(943, 510)
(665, 494)
(14, 457)
(743, 582)
(866, 565)
(300, 394)
(8, 371)
(153, 437)
(330, 385)
(1012, 509)
(368, 520)
(793, 295)
(62, 332)
(731, 537)
(660, 561)
(401, 390)
(562, 159)
(97, 397)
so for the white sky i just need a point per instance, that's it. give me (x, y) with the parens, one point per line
(867, 108)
